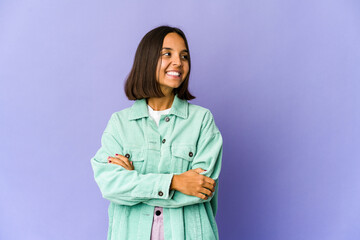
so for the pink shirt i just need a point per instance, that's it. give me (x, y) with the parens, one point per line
(157, 230)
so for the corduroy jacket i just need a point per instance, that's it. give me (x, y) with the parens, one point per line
(186, 138)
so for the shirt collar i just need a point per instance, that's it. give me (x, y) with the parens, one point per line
(139, 109)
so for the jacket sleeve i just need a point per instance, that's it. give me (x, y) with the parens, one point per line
(208, 157)
(122, 186)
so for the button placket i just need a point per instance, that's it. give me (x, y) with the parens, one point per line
(165, 129)
(167, 119)
(152, 136)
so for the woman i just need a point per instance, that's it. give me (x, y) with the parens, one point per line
(160, 159)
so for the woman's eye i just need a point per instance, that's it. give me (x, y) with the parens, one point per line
(185, 56)
(166, 54)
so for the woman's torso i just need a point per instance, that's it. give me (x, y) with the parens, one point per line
(170, 147)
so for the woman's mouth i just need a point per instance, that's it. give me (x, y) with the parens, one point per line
(173, 74)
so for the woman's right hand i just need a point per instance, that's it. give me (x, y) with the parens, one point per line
(121, 161)
(193, 183)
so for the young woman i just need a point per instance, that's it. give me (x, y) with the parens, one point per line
(160, 159)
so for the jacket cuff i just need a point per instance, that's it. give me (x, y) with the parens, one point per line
(162, 188)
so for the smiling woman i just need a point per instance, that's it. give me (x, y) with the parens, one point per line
(160, 159)
(162, 53)
(173, 66)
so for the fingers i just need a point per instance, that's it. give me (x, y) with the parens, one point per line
(209, 186)
(206, 191)
(202, 196)
(117, 162)
(199, 170)
(122, 161)
(210, 180)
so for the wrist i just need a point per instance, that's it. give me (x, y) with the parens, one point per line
(173, 185)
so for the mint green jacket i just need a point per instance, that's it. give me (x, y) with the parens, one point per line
(187, 138)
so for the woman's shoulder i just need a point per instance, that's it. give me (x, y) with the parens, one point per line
(197, 108)
(120, 115)
(206, 117)
(122, 112)
(200, 111)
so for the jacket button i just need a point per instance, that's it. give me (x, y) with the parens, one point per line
(160, 193)
(190, 154)
(127, 155)
(157, 213)
(167, 119)
(164, 140)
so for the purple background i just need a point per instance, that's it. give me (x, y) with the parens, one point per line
(282, 79)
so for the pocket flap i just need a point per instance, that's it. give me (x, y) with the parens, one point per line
(186, 152)
(135, 154)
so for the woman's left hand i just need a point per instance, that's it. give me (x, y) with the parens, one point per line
(122, 161)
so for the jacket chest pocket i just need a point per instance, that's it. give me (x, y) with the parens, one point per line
(136, 155)
(182, 156)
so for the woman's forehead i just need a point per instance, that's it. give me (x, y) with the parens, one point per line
(172, 41)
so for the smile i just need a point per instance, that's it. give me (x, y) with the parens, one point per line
(173, 74)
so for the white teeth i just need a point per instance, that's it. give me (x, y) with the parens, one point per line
(173, 73)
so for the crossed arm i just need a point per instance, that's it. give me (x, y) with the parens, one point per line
(121, 183)
(190, 182)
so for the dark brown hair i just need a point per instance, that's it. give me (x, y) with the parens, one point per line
(141, 81)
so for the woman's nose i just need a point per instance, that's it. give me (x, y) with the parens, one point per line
(177, 61)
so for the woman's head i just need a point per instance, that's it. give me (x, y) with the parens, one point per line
(162, 54)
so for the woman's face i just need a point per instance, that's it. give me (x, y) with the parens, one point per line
(173, 65)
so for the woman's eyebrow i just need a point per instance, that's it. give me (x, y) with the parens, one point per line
(173, 49)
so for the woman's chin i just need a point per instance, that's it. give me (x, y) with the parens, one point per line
(172, 85)
(177, 83)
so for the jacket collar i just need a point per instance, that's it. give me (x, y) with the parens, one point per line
(139, 109)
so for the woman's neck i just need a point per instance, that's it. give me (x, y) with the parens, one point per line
(162, 103)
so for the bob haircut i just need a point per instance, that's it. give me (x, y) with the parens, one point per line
(141, 81)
